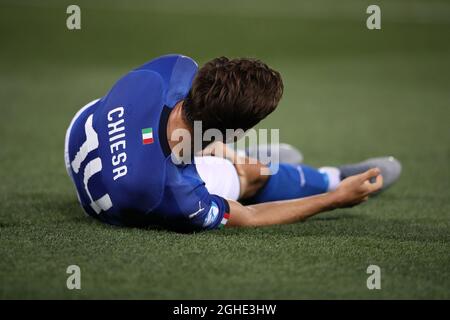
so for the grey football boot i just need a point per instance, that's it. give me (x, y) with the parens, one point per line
(389, 166)
(286, 152)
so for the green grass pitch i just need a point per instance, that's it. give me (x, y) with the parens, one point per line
(350, 93)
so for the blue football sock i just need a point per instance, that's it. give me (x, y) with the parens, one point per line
(291, 182)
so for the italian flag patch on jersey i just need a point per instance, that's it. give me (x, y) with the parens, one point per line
(147, 135)
(224, 221)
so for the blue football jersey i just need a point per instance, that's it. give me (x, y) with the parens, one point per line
(119, 158)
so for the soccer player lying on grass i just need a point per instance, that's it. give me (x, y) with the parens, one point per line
(120, 153)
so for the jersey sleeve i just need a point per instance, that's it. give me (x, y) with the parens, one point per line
(211, 212)
(188, 206)
(177, 72)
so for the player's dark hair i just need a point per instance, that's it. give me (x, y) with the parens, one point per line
(233, 94)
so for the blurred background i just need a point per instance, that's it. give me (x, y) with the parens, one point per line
(350, 93)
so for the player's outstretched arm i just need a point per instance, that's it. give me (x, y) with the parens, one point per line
(351, 191)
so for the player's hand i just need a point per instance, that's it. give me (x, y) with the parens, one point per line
(357, 188)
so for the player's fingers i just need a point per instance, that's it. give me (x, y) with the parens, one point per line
(377, 185)
(371, 173)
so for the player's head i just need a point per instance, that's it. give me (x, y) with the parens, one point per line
(233, 94)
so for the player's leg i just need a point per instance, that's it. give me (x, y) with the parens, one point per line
(297, 181)
(288, 154)
(290, 181)
(243, 176)
(244, 181)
